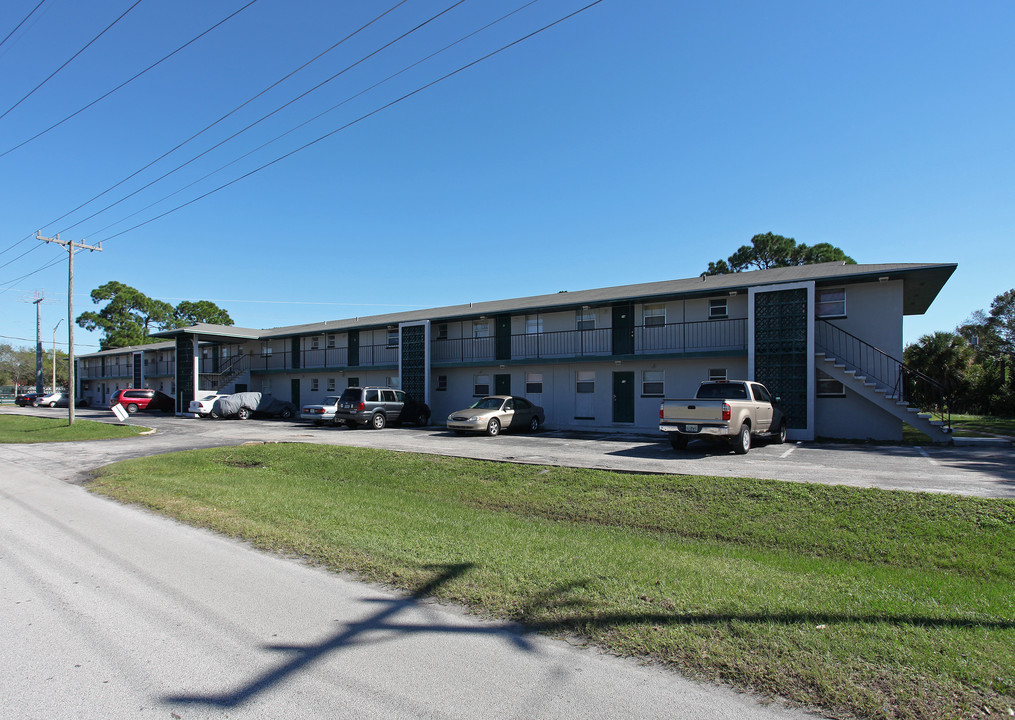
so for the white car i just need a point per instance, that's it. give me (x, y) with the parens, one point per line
(321, 413)
(50, 400)
(202, 407)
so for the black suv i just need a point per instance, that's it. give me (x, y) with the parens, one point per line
(379, 406)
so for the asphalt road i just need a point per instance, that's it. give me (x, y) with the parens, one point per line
(112, 612)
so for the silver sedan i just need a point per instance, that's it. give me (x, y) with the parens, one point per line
(496, 412)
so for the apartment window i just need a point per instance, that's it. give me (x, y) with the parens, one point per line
(533, 324)
(314, 386)
(353, 382)
(265, 349)
(830, 303)
(718, 309)
(585, 319)
(266, 387)
(442, 331)
(717, 375)
(481, 385)
(654, 315)
(442, 382)
(652, 383)
(584, 398)
(392, 337)
(586, 382)
(331, 384)
(829, 387)
(315, 343)
(331, 341)
(480, 329)
(533, 383)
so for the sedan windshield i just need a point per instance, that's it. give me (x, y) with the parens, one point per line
(488, 403)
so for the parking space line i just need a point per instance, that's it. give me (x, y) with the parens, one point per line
(786, 454)
(923, 452)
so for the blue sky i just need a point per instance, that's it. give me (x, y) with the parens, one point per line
(633, 142)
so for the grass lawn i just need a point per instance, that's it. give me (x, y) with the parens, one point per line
(862, 602)
(22, 429)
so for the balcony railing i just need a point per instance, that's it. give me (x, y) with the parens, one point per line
(697, 337)
(325, 358)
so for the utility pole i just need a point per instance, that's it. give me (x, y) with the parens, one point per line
(70, 245)
(38, 344)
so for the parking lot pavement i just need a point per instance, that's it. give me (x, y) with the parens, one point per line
(982, 471)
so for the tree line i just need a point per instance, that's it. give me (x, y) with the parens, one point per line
(975, 361)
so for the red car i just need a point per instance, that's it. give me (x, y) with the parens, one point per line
(134, 399)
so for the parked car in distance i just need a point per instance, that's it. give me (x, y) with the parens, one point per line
(58, 399)
(495, 413)
(202, 406)
(50, 400)
(379, 406)
(135, 399)
(730, 410)
(26, 399)
(246, 404)
(322, 412)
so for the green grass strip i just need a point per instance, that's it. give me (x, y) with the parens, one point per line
(861, 602)
(25, 429)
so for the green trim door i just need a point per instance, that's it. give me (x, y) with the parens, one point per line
(502, 341)
(294, 348)
(353, 359)
(623, 397)
(294, 387)
(502, 384)
(623, 329)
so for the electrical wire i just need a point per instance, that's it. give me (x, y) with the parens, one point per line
(32, 91)
(23, 21)
(128, 81)
(231, 112)
(356, 121)
(268, 115)
(365, 116)
(316, 117)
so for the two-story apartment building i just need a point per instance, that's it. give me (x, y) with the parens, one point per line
(826, 339)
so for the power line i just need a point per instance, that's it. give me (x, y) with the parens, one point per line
(23, 21)
(231, 112)
(32, 91)
(327, 135)
(357, 120)
(316, 117)
(128, 81)
(266, 116)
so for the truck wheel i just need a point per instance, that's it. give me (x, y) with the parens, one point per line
(131, 408)
(677, 441)
(378, 421)
(780, 437)
(243, 413)
(742, 443)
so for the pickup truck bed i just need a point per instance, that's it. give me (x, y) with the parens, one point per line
(733, 411)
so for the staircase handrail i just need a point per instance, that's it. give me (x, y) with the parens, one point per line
(898, 386)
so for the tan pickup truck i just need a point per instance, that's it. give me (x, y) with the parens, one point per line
(732, 410)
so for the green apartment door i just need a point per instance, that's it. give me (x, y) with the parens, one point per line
(623, 330)
(502, 339)
(502, 384)
(353, 359)
(295, 389)
(623, 397)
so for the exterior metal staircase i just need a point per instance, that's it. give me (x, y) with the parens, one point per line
(229, 371)
(883, 380)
